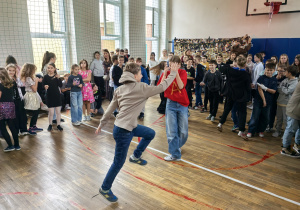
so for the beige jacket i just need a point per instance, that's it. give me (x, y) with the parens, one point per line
(130, 98)
(293, 106)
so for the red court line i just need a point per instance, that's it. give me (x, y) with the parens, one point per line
(227, 145)
(73, 203)
(151, 183)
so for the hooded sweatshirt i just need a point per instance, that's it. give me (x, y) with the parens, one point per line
(286, 90)
(130, 99)
(293, 106)
(97, 68)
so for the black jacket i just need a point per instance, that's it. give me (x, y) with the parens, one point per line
(200, 73)
(116, 75)
(238, 84)
(213, 81)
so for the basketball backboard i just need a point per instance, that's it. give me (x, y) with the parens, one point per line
(257, 7)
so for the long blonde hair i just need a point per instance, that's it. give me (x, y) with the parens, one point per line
(5, 80)
(28, 70)
(287, 61)
(157, 69)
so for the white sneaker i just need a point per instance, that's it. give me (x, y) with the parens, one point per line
(84, 118)
(261, 134)
(68, 107)
(208, 117)
(249, 135)
(276, 134)
(250, 106)
(212, 119)
(88, 118)
(170, 158)
(76, 123)
(44, 107)
(219, 127)
(23, 133)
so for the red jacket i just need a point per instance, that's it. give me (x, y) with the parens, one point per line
(174, 93)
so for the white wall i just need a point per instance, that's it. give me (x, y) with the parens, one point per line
(15, 38)
(226, 19)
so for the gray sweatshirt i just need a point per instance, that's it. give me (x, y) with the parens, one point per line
(97, 68)
(286, 90)
(293, 107)
(130, 99)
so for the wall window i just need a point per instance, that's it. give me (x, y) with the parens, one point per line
(48, 31)
(152, 28)
(110, 24)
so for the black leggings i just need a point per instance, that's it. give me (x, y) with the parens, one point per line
(21, 118)
(100, 83)
(34, 117)
(6, 136)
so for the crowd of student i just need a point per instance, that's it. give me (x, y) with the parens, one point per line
(268, 84)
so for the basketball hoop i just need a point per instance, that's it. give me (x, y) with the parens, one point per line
(275, 6)
(274, 9)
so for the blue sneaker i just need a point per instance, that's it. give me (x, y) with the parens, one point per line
(235, 128)
(139, 161)
(108, 195)
(17, 148)
(9, 149)
(32, 133)
(36, 129)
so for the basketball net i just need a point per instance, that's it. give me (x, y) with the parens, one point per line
(274, 9)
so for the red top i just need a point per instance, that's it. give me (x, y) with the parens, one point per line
(174, 93)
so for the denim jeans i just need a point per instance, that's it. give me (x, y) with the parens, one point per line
(176, 127)
(123, 139)
(292, 127)
(259, 118)
(76, 106)
(198, 91)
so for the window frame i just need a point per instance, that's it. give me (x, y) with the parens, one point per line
(112, 36)
(57, 35)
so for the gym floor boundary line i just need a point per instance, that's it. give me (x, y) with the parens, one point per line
(211, 171)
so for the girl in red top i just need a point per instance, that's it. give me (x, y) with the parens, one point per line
(176, 112)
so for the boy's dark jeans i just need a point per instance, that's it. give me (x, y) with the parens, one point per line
(213, 97)
(123, 139)
(242, 112)
(259, 119)
(205, 96)
(189, 93)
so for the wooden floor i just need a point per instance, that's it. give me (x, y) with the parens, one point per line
(65, 170)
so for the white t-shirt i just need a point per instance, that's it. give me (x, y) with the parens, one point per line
(111, 81)
(152, 64)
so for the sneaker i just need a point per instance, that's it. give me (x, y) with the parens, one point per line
(17, 148)
(276, 134)
(296, 148)
(9, 149)
(101, 111)
(208, 117)
(44, 107)
(190, 107)
(243, 135)
(62, 120)
(36, 129)
(88, 118)
(249, 135)
(196, 107)
(84, 118)
(170, 158)
(219, 127)
(234, 128)
(23, 133)
(141, 116)
(108, 195)
(76, 123)
(250, 106)
(49, 128)
(59, 128)
(116, 113)
(261, 134)
(31, 133)
(68, 107)
(139, 161)
(93, 115)
(212, 119)
(288, 152)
